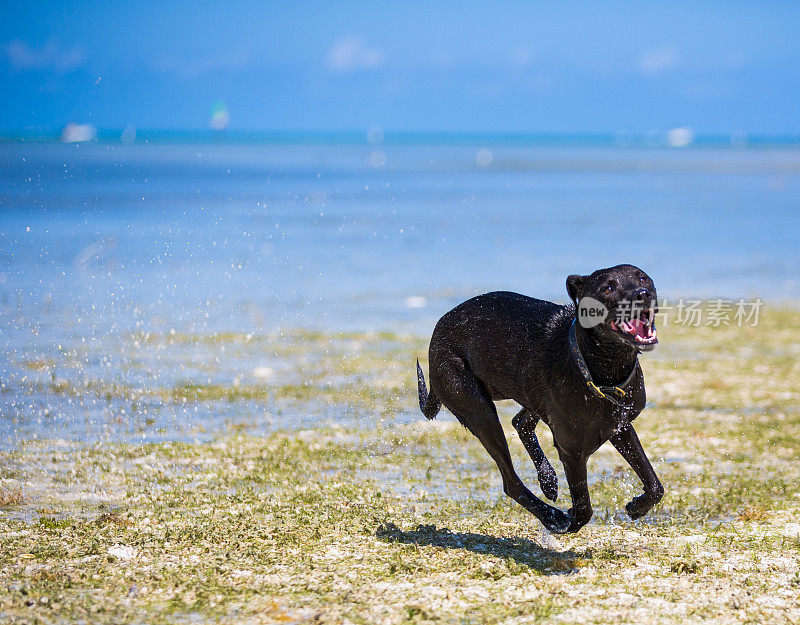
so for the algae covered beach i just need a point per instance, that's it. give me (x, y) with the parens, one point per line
(388, 518)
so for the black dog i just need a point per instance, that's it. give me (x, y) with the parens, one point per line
(582, 379)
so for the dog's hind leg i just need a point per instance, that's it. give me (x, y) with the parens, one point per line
(525, 424)
(470, 402)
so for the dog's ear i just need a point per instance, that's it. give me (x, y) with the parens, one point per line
(575, 286)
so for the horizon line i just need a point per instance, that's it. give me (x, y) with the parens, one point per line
(399, 137)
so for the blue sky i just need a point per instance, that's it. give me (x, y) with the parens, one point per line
(717, 67)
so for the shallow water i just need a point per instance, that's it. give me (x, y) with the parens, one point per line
(101, 244)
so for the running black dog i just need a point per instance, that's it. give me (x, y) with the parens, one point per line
(574, 367)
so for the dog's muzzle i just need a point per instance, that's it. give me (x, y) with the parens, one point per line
(638, 326)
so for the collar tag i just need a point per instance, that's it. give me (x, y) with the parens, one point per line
(598, 391)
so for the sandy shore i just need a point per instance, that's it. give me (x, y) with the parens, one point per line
(387, 520)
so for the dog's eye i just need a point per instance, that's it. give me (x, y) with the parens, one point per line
(608, 289)
(642, 279)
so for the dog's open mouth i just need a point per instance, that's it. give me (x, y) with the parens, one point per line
(640, 330)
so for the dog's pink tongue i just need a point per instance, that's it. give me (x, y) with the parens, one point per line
(639, 328)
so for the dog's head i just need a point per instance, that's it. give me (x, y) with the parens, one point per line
(617, 304)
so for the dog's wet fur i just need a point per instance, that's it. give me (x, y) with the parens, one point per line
(505, 345)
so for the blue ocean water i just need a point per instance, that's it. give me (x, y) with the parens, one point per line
(100, 240)
(342, 235)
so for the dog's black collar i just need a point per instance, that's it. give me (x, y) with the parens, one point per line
(615, 394)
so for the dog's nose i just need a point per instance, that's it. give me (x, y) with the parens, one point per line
(643, 295)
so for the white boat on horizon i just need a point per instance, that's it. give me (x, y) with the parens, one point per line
(75, 133)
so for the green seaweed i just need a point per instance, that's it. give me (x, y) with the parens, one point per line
(408, 523)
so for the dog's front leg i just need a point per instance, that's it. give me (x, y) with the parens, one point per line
(575, 469)
(626, 442)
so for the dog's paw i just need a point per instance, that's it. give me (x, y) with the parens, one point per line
(577, 520)
(548, 481)
(557, 522)
(638, 507)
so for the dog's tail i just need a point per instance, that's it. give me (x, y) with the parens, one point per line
(428, 402)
